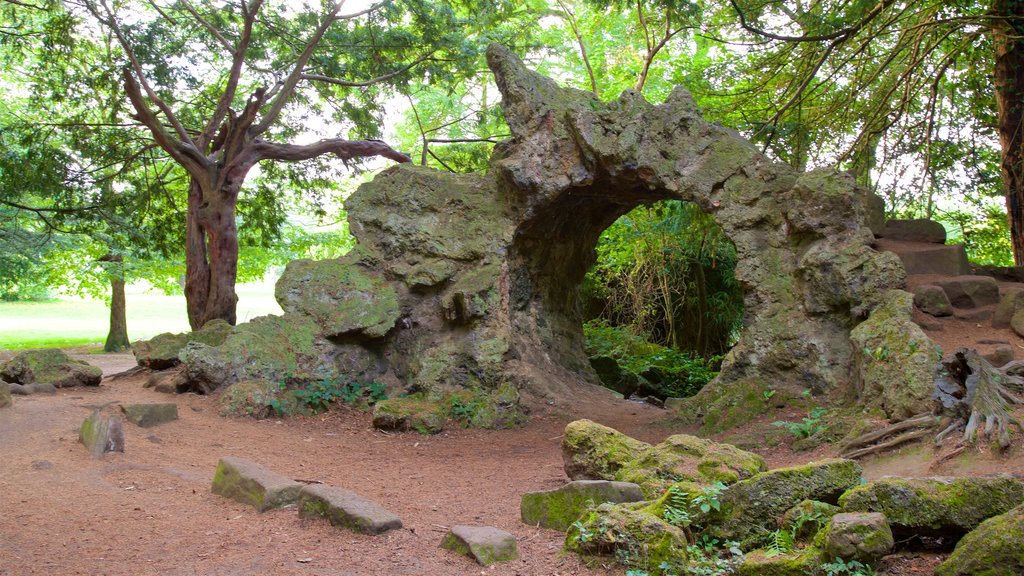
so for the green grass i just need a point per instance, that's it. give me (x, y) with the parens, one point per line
(75, 322)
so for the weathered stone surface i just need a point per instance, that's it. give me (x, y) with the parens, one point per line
(102, 432)
(861, 536)
(161, 351)
(1000, 355)
(484, 544)
(410, 413)
(250, 483)
(1017, 322)
(935, 506)
(49, 366)
(806, 518)
(750, 508)
(645, 541)
(917, 230)
(5, 396)
(942, 259)
(1009, 304)
(932, 299)
(591, 451)
(559, 508)
(994, 548)
(893, 360)
(258, 399)
(170, 381)
(149, 415)
(804, 562)
(874, 210)
(970, 291)
(344, 508)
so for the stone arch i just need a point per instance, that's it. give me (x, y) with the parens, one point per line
(471, 280)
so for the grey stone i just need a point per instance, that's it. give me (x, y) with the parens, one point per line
(102, 432)
(977, 315)
(149, 415)
(345, 508)
(1009, 304)
(942, 259)
(970, 291)
(250, 483)
(916, 230)
(5, 396)
(861, 536)
(1017, 322)
(559, 508)
(19, 390)
(874, 210)
(484, 544)
(42, 388)
(932, 300)
(170, 381)
(1000, 355)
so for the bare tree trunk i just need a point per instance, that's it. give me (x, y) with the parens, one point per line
(211, 260)
(1007, 34)
(117, 337)
(197, 269)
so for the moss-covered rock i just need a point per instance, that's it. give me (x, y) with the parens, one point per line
(410, 413)
(342, 297)
(593, 451)
(102, 432)
(162, 351)
(480, 408)
(250, 483)
(637, 539)
(861, 536)
(559, 508)
(935, 506)
(994, 548)
(722, 405)
(805, 562)
(258, 399)
(49, 366)
(894, 361)
(805, 519)
(484, 544)
(750, 509)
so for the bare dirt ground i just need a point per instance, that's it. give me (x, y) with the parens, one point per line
(150, 510)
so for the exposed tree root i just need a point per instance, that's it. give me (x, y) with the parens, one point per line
(990, 392)
(881, 440)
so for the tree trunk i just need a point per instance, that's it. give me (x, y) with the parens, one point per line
(211, 258)
(117, 337)
(1007, 33)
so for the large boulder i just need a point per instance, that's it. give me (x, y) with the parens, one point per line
(591, 451)
(994, 548)
(914, 230)
(559, 508)
(636, 538)
(935, 506)
(893, 359)
(50, 366)
(162, 351)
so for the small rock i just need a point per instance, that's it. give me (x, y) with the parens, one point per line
(42, 388)
(932, 300)
(102, 432)
(861, 536)
(1000, 355)
(1009, 304)
(345, 508)
(42, 465)
(410, 413)
(559, 508)
(171, 381)
(484, 544)
(19, 390)
(250, 483)
(149, 415)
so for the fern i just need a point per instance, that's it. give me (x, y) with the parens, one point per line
(780, 542)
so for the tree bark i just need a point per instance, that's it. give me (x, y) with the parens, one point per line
(117, 337)
(1008, 37)
(211, 258)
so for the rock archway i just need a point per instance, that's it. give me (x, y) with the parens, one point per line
(472, 280)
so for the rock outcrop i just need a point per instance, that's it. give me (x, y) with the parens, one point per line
(49, 367)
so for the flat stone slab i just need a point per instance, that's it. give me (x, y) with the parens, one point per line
(484, 544)
(102, 432)
(149, 415)
(346, 508)
(917, 230)
(559, 508)
(250, 483)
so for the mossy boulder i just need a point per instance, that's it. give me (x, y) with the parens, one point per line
(994, 548)
(894, 361)
(750, 509)
(932, 300)
(162, 351)
(250, 483)
(935, 506)
(1009, 304)
(102, 432)
(484, 544)
(559, 508)
(722, 405)
(410, 413)
(49, 366)
(343, 298)
(596, 452)
(480, 408)
(637, 539)
(258, 399)
(805, 562)
(861, 536)
(806, 518)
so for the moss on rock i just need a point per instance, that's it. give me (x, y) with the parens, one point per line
(49, 366)
(258, 399)
(410, 413)
(637, 539)
(559, 508)
(935, 506)
(806, 562)
(861, 536)
(806, 518)
(994, 548)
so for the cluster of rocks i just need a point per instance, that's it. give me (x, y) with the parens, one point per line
(827, 511)
(250, 483)
(43, 371)
(103, 430)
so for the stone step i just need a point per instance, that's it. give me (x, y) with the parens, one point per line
(926, 258)
(345, 508)
(250, 483)
(149, 415)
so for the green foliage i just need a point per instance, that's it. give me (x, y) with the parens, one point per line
(679, 374)
(677, 507)
(807, 427)
(780, 542)
(319, 395)
(847, 568)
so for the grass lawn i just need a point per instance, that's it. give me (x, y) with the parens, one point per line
(77, 322)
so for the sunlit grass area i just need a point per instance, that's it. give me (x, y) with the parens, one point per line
(76, 322)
